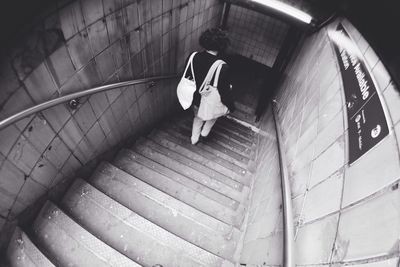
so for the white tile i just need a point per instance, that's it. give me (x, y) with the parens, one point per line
(329, 134)
(314, 241)
(324, 198)
(392, 100)
(385, 263)
(328, 162)
(371, 228)
(381, 76)
(377, 168)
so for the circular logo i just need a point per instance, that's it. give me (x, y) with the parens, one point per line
(376, 131)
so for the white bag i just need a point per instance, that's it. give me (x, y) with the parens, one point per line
(211, 106)
(186, 87)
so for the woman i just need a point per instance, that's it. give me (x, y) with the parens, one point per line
(215, 42)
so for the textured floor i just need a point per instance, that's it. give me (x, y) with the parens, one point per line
(162, 201)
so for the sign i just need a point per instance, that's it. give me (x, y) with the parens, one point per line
(365, 114)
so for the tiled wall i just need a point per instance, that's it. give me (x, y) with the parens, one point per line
(255, 35)
(75, 45)
(263, 241)
(344, 214)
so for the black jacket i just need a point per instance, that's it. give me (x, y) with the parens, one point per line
(202, 62)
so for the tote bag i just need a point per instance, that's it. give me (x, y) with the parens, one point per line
(211, 106)
(186, 87)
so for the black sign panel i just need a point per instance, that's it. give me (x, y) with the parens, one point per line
(365, 115)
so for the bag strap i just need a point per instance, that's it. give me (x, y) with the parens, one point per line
(217, 72)
(190, 63)
(211, 73)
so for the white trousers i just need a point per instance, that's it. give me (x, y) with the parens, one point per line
(200, 127)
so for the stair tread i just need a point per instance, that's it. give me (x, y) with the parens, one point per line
(59, 235)
(199, 149)
(235, 126)
(237, 160)
(196, 153)
(144, 147)
(22, 252)
(172, 214)
(163, 146)
(223, 138)
(125, 230)
(127, 161)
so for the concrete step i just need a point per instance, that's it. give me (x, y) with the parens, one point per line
(131, 163)
(185, 142)
(169, 149)
(228, 130)
(244, 116)
(142, 147)
(198, 155)
(222, 137)
(129, 233)
(169, 213)
(237, 128)
(21, 252)
(69, 244)
(171, 178)
(245, 108)
(237, 161)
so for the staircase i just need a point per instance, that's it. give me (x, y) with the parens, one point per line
(162, 201)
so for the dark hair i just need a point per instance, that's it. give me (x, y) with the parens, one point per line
(214, 39)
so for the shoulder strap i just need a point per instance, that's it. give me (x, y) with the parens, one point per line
(190, 63)
(210, 73)
(217, 72)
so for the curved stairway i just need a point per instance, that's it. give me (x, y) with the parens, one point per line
(162, 201)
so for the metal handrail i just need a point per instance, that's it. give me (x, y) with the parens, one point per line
(62, 99)
(288, 226)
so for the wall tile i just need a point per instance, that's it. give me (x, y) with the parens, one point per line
(92, 10)
(115, 26)
(19, 101)
(72, 85)
(328, 162)
(131, 17)
(370, 228)
(107, 121)
(88, 76)
(8, 80)
(381, 76)
(374, 170)
(144, 8)
(71, 134)
(329, 134)
(6, 202)
(40, 84)
(120, 52)
(95, 135)
(79, 49)
(392, 99)
(105, 64)
(98, 36)
(299, 180)
(71, 19)
(314, 241)
(57, 153)
(44, 172)
(99, 103)
(385, 263)
(60, 65)
(112, 5)
(24, 155)
(8, 137)
(57, 116)
(330, 192)
(11, 178)
(85, 117)
(330, 111)
(30, 192)
(39, 133)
